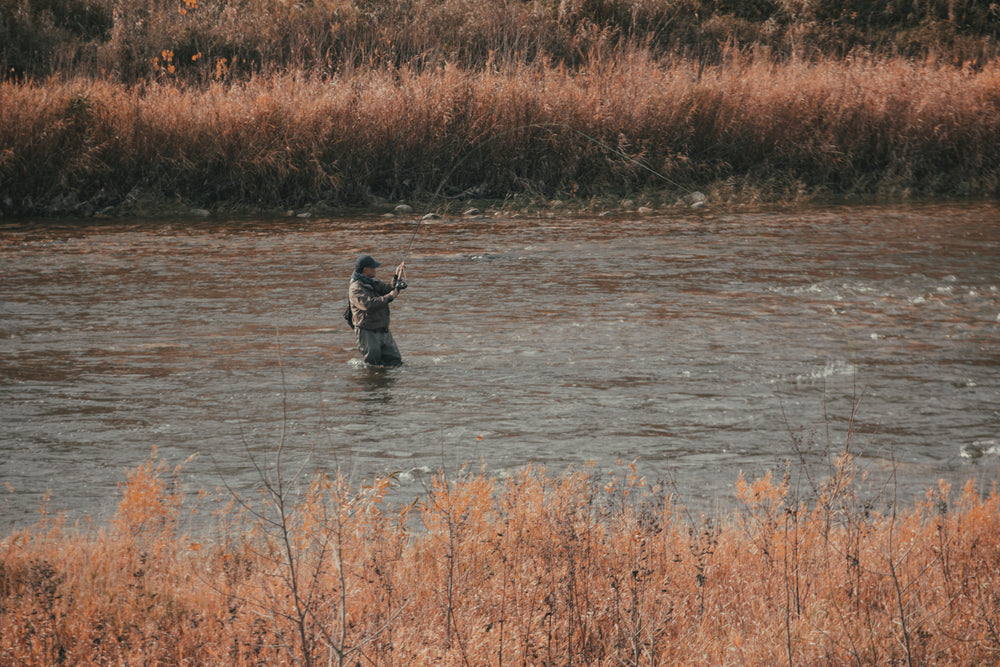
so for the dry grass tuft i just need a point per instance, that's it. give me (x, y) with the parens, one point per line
(531, 569)
(750, 129)
(202, 40)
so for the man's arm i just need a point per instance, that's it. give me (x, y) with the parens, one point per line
(364, 301)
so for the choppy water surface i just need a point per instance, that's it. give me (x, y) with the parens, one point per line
(700, 344)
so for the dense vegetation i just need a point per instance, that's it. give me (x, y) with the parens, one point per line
(114, 107)
(203, 39)
(531, 570)
(123, 106)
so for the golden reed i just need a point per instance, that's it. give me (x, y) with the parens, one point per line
(534, 569)
(749, 130)
(143, 106)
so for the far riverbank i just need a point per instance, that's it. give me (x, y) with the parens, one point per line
(631, 134)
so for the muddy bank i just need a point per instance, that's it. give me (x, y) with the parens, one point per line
(147, 204)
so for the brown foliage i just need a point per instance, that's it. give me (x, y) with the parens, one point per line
(531, 569)
(127, 39)
(748, 130)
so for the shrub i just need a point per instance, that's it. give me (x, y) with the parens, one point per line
(580, 567)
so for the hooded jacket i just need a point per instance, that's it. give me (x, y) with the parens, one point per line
(369, 302)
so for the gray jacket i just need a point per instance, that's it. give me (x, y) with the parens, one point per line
(370, 301)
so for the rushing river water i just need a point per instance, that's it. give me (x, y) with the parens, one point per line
(702, 344)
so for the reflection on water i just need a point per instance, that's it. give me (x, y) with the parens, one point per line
(373, 387)
(701, 344)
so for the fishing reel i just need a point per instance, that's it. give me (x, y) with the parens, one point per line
(398, 283)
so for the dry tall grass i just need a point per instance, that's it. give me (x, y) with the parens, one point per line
(275, 104)
(750, 128)
(126, 39)
(533, 569)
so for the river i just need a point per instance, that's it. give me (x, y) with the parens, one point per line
(697, 344)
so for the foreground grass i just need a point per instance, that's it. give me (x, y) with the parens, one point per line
(748, 131)
(534, 569)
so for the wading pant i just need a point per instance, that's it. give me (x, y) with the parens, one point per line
(377, 347)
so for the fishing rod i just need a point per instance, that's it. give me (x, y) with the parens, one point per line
(412, 236)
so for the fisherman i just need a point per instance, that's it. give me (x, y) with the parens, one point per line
(370, 298)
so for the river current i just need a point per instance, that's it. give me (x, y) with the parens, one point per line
(696, 344)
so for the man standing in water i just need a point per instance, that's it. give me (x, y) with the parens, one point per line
(370, 298)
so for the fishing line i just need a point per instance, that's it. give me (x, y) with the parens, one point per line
(800, 266)
(790, 261)
(530, 126)
(805, 271)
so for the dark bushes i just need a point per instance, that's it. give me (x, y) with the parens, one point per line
(211, 38)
